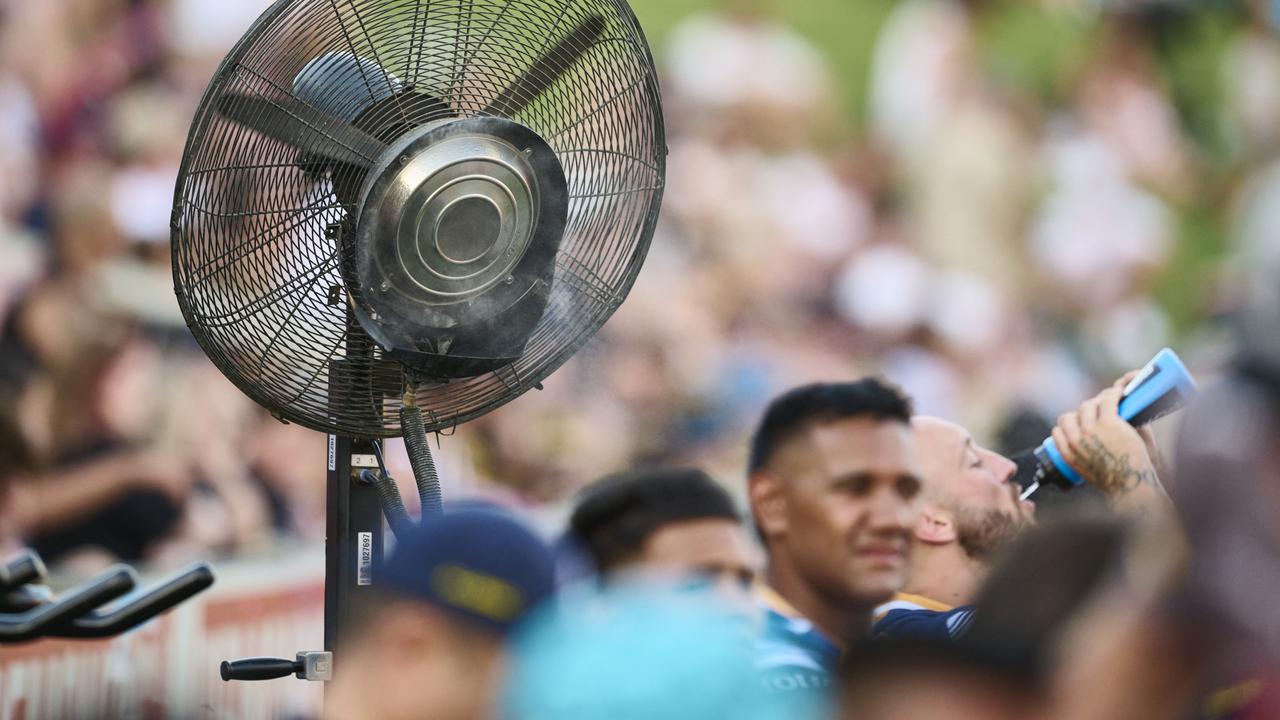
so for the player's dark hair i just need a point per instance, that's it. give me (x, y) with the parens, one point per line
(617, 515)
(797, 410)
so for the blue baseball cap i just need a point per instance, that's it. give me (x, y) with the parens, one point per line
(479, 564)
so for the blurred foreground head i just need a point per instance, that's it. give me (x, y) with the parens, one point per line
(630, 653)
(932, 678)
(431, 643)
(1041, 584)
(1227, 492)
(672, 522)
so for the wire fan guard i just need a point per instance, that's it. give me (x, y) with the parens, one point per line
(303, 112)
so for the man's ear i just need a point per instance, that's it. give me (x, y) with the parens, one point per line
(935, 527)
(768, 503)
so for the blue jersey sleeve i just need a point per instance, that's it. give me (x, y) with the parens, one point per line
(924, 623)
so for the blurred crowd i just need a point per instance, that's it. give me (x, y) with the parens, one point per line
(118, 438)
(995, 235)
(999, 231)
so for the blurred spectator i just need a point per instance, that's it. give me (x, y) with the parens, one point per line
(453, 591)
(884, 290)
(1249, 69)
(1096, 231)
(1022, 429)
(1121, 103)
(981, 243)
(740, 68)
(961, 153)
(89, 484)
(666, 521)
(833, 480)
(1258, 221)
(936, 679)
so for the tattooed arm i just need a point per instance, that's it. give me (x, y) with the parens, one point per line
(1111, 454)
(1113, 471)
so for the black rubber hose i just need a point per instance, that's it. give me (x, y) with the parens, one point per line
(424, 468)
(389, 498)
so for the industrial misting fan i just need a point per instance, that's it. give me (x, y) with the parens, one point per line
(393, 216)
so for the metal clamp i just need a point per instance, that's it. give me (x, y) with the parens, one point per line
(316, 665)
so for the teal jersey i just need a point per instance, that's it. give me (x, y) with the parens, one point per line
(792, 655)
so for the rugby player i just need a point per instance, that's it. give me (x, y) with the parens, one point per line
(833, 482)
(971, 508)
(672, 522)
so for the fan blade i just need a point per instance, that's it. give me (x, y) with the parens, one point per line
(302, 126)
(547, 68)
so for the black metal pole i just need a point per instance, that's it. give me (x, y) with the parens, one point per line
(353, 536)
(353, 529)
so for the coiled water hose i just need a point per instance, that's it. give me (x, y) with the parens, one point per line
(388, 494)
(424, 467)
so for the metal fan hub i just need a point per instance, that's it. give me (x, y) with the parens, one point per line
(465, 229)
(459, 220)
(448, 213)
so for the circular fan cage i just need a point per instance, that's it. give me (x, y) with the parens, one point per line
(441, 198)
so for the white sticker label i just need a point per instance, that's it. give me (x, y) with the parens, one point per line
(1138, 379)
(364, 562)
(333, 453)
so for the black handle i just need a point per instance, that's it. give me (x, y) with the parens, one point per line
(259, 668)
(23, 568)
(18, 627)
(135, 611)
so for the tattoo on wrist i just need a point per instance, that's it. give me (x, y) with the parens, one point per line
(1110, 472)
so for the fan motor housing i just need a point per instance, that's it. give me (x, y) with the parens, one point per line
(455, 243)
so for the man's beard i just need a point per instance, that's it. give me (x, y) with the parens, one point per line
(983, 532)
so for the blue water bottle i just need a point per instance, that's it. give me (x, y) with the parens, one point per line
(1162, 386)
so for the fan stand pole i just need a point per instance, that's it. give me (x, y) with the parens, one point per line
(353, 534)
(352, 552)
